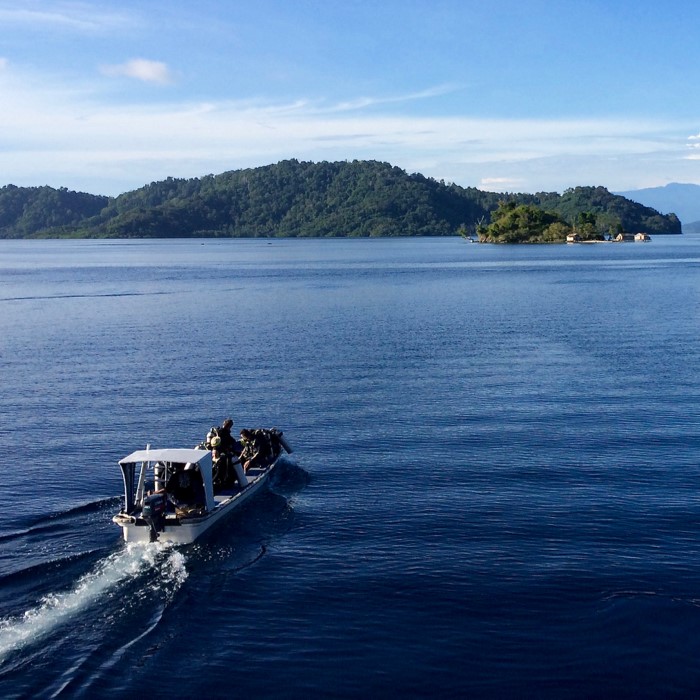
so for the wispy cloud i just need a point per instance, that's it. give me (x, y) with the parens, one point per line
(141, 69)
(75, 16)
(365, 102)
(71, 137)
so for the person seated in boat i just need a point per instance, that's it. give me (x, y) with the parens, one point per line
(264, 437)
(255, 452)
(220, 461)
(224, 474)
(185, 486)
(229, 444)
(225, 452)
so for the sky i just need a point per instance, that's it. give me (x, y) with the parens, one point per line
(503, 95)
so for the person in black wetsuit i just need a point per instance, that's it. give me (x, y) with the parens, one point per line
(225, 452)
(256, 449)
(229, 444)
(185, 486)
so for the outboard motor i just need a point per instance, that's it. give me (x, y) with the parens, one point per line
(153, 512)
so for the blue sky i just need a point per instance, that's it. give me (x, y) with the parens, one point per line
(504, 95)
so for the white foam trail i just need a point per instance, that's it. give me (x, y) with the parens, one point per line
(58, 608)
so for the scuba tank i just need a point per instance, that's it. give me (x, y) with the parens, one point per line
(279, 435)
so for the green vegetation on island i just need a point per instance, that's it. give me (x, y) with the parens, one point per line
(526, 223)
(28, 211)
(303, 199)
(523, 223)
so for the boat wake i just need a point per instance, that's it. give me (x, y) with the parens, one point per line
(163, 566)
(47, 523)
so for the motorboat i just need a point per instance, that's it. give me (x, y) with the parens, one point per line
(176, 494)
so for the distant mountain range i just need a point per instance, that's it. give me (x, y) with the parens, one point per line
(681, 199)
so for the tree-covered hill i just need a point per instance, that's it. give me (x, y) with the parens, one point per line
(292, 198)
(611, 211)
(24, 211)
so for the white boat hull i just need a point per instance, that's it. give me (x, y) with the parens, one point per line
(187, 530)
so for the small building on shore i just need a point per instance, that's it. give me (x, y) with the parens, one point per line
(642, 237)
(624, 237)
(573, 238)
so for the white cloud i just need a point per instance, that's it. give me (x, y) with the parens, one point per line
(694, 145)
(141, 69)
(68, 137)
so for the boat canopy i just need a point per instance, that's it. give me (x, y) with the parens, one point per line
(135, 484)
(168, 455)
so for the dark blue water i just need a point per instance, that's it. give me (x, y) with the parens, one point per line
(494, 492)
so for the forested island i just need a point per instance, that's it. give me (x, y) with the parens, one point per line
(339, 199)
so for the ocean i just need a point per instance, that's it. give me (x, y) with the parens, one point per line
(494, 490)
